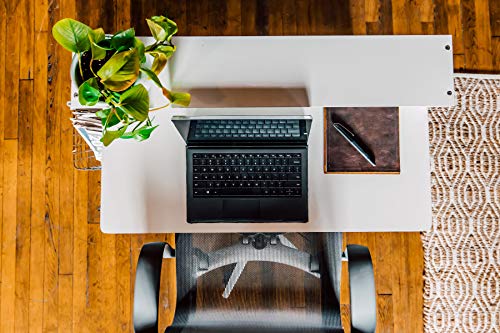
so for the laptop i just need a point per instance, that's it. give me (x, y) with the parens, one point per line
(245, 168)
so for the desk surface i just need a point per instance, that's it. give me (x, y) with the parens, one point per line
(332, 70)
(153, 197)
(144, 184)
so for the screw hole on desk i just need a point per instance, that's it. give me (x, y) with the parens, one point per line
(449, 92)
(447, 47)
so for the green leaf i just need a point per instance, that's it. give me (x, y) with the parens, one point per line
(110, 136)
(120, 71)
(168, 50)
(135, 102)
(161, 54)
(162, 28)
(139, 45)
(103, 113)
(152, 76)
(72, 35)
(156, 30)
(96, 36)
(159, 62)
(144, 133)
(113, 117)
(178, 98)
(114, 64)
(88, 92)
(123, 40)
(140, 134)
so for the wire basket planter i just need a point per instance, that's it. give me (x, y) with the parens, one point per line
(87, 130)
(83, 157)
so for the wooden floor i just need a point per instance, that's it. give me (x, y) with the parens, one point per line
(58, 271)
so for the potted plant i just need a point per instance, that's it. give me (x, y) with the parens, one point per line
(111, 69)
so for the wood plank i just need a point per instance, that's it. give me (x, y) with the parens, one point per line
(362, 12)
(427, 28)
(495, 18)
(2, 89)
(275, 18)
(448, 20)
(65, 303)
(55, 80)
(136, 242)
(8, 285)
(80, 261)
(477, 35)
(385, 314)
(415, 260)
(12, 53)
(122, 18)
(401, 297)
(345, 310)
(384, 24)
(483, 31)
(38, 211)
(27, 38)
(65, 174)
(261, 18)
(496, 53)
(248, 17)
(176, 10)
(108, 280)
(23, 207)
(290, 18)
(197, 19)
(170, 271)
(96, 13)
(459, 62)
(385, 254)
(94, 201)
(400, 20)
(41, 13)
(95, 277)
(413, 11)
(426, 9)
(371, 9)
(228, 22)
(123, 283)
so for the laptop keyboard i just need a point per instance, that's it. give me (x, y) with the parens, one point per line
(254, 174)
(247, 129)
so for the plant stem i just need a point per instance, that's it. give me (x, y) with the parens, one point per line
(138, 124)
(117, 116)
(91, 60)
(159, 108)
(107, 120)
(80, 64)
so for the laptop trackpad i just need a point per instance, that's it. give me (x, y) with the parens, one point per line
(241, 208)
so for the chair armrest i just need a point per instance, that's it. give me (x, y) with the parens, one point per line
(362, 289)
(147, 286)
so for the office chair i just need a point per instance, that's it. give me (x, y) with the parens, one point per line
(263, 282)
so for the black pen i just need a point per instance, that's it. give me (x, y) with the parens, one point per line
(351, 138)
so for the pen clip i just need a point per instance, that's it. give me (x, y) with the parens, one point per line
(340, 125)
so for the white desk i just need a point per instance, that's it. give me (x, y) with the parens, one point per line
(153, 197)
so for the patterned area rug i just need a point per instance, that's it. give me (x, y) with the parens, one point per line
(462, 251)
